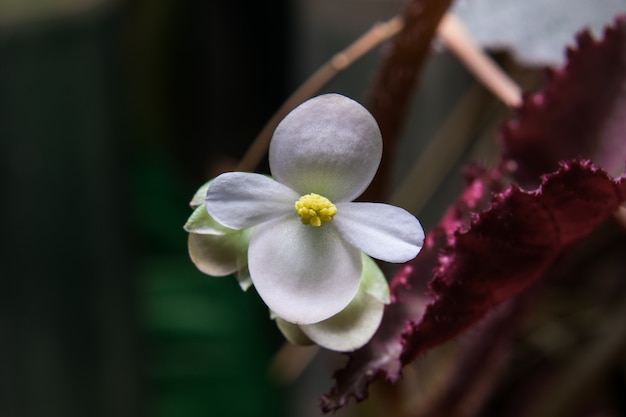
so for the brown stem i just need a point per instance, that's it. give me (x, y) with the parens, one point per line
(459, 41)
(393, 87)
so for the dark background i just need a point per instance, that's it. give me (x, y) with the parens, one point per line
(110, 118)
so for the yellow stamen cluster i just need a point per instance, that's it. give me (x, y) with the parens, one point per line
(315, 210)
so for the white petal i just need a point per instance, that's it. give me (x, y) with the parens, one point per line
(218, 255)
(239, 199)
(382, 231)
(329, 145)
(304, 274)
(351, 328)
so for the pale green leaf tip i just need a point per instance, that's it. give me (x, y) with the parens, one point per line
(198, 197)
(373, 280)
(243, 274)
(201, 222)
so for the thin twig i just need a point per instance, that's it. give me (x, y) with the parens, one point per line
(374, 37)
(460, 42)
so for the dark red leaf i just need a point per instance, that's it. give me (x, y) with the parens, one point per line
(505, 249)
(580, 114)
(380, 357)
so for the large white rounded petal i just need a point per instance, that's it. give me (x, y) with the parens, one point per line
(239, 199)
(351, 328)
(382, 231)
(304, 274)
(329, 145)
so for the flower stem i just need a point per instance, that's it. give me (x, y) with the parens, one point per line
(459, 41)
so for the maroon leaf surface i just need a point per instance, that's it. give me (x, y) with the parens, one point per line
(486, 250)
(580, 114)
(509, 246)
(505, 249)
(380, 358)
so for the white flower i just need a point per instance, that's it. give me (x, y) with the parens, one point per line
(305, 249)
(219, 251)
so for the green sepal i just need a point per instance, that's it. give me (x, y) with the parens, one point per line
(198, 197)
(373, 280)
(201, 222)
(220, 255)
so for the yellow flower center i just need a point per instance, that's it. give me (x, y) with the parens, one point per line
(315, 210)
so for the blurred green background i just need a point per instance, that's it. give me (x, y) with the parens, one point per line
(111, 115)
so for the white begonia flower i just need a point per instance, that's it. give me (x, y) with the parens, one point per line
(304, 256)
(219, 251)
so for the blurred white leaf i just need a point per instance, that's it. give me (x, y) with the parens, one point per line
(536, 32)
